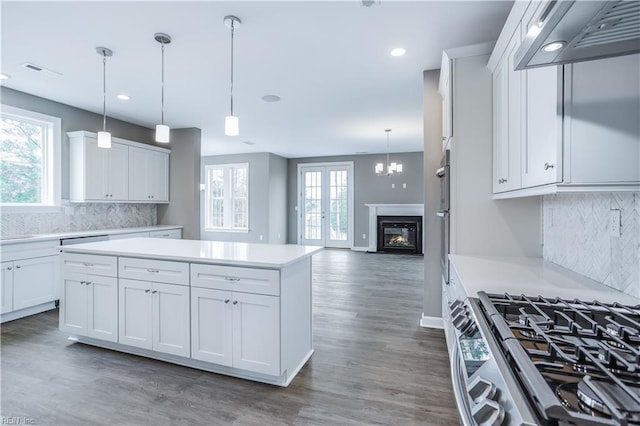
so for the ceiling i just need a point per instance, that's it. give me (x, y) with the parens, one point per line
(329, 62)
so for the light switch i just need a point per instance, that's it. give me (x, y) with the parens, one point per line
(404, 186)
(393, 186)
(364, 236)
(615, 223)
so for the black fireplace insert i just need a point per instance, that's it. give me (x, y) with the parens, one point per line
(400, 234)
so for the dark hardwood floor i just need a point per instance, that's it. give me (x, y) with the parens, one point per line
(373, 364)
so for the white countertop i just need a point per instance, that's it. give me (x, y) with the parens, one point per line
(61, 235)
(216, 252)
(531, 277)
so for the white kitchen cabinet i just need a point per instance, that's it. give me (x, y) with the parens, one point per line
(149, 175)
(507, 118)
(154, 316)
(167, 233)
(445, 89)
(129, 235)
(579, 122)
(30, 278)
(97, 174)
(6, 285)
(127, 172)
(235, 329)
(89, 306)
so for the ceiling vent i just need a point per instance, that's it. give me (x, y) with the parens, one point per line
(38, 68)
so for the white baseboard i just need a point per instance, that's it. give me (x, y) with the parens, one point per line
(431, 322)
(355, 248)
(21, 313)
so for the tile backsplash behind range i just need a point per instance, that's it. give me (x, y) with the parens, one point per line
(577, 236)
(79, 217)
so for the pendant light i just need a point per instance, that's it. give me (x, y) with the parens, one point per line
(162, 130)
(104, 137)
(390, 168)
(231, 124)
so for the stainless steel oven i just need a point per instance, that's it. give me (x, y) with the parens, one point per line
(443, 174)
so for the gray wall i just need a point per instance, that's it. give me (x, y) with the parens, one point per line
(277, 199)
(432, 223)
(260, 186)
(368, 188)
(184, 188)
(74, 119)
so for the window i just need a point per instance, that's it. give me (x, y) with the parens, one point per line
(29, 159)
(227, 197)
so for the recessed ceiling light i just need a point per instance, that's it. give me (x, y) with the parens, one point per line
(398, 51)
(248, 142)
(4, 76)
(123, 97)
(552, 47)
(271, 98)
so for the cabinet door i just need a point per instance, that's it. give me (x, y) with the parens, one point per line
(542, 146)
(171, 319)
(102, 307)
(34, 281)
(95, 171)
(500, 128)
(6, 285)
(73, 303)
(211, 326)
(158, 175)
(256, 333)
(118, 172)
(135, 313)
(514, 113)
(138, 174)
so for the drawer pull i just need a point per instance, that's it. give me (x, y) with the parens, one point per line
(154, 291)
(9, 268)
(147, 290)
(88, 264)
(232, 278)
(235, 302)
(226, 301)
(153, 271)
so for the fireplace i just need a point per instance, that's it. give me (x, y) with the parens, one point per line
(400, 234)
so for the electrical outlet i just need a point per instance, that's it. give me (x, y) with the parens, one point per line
(393, 186)
(364, 236)
(261, 237)
(404, 186)
(615, 223)
(278, 235)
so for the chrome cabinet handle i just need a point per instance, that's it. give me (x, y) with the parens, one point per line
(232, 278)
(9, 268)
(548, 166)
(18, 266)
(153, 271)
(83, 282)
(226, 301)
(502, 180)
(147, 290)
(88, 282)
(88, 264)
(154, 291)
(235, 302)
(442, 213)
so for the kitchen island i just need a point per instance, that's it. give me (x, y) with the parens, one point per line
(232, 308)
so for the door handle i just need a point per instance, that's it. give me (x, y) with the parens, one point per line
(442, 213)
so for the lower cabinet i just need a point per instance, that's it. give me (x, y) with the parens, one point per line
(6, 284)
(34, 281)
(89, 306)
(235, 329)
(154, 316)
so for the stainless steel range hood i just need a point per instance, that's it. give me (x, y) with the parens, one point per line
(566, 31)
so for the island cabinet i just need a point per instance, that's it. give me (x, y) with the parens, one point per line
(89, 301)
(232, 308)
(154, 305)
(239, 329)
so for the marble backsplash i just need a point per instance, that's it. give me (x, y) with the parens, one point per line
(576, 234)
(79, 217)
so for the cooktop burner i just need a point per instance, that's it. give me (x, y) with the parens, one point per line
(578, 361)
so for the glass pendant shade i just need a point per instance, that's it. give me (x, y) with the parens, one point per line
(379, 168)
(162, 133)
(104, 140)
(391, 168)
(231, 125)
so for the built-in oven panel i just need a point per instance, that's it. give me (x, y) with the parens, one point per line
(443, 173)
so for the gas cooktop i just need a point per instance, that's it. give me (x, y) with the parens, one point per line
(579, 362)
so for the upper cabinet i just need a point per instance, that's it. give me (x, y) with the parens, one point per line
(126, 172)
(148, 175)
(562, 128)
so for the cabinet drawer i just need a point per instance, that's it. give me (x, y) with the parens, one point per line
(169, 233)
(90, 264)
(154, 270)
(248, 280)
(129, 235)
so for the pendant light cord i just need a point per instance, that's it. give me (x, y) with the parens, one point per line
(388, 150)
(162, 89)
(104, 91)
(232, 31)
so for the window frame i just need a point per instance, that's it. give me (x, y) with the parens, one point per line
(228, 199)
(52, 162)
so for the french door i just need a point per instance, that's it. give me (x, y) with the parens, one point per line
(325, 204)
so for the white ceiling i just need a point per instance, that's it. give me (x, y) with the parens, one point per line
(329, 61)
